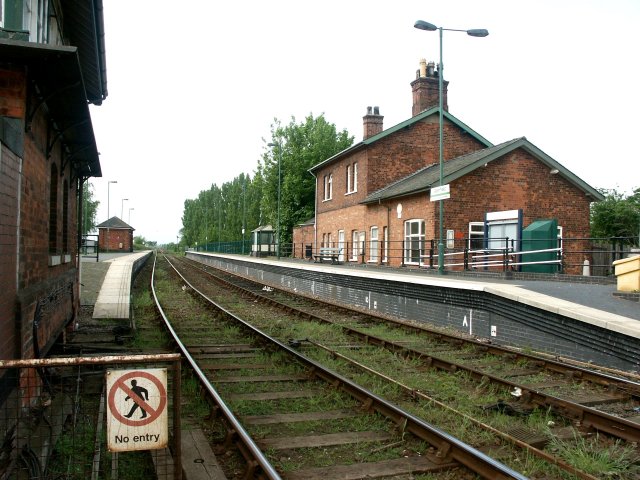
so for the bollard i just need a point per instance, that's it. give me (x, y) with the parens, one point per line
(586, 270)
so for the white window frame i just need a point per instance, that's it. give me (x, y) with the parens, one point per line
(355, 177)
(348, 179)
(385, 249)
(374, 246)
(328, 187)
(354, 245)
(341, 245)
(410, 239)
(476, 231)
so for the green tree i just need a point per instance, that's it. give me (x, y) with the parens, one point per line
(617, 216)
(220, 213)
(89, 208)
(304, 145)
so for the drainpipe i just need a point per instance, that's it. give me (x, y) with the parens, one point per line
(315, 217)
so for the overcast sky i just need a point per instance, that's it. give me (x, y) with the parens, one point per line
(195, 85)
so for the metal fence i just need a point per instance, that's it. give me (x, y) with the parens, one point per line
(55, 414)
(574, 256)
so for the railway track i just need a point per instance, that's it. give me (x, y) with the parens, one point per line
(296, 418)
(575, 390)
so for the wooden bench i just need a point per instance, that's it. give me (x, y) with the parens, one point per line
(326, 253)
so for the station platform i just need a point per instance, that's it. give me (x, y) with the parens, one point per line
(106, 284)
(591, 302)
(578, 318)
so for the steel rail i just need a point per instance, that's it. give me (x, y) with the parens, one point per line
(565, 367)
(247, 445)
(448, 447)
(615, 426)
(413, 393)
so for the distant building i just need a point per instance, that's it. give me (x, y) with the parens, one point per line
(114, 235)
(303, 239)
(373, 199)
(52, 66)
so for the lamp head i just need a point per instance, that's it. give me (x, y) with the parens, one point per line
(422, 25)
(478, 32)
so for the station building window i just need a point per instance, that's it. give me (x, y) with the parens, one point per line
(373, 245)
(414, 237)
(385, 244)
(65, 217)
(476, 236)
(328, 187)
(357, 249)
(53, 210)
(352, 178)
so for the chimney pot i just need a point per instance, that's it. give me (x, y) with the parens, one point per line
(425, 90)
(423, 67)
(376, 110)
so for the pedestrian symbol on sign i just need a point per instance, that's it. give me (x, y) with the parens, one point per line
(137, 413)
(142, 393)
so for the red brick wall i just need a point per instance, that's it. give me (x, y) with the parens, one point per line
(10, 166)
(415, 147)
(517, 181)
(392, 158)
(117, 240)
(302, 236)
(44, 291)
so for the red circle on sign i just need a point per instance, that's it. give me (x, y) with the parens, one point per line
(153, 413)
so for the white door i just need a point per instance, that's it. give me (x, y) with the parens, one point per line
(341, 245)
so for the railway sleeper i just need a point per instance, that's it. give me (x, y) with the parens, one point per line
(385, 468)
(539, 441)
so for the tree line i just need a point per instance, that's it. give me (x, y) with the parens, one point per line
(220, 213)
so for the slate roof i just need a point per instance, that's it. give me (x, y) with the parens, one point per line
(429, 176)
(116, 223)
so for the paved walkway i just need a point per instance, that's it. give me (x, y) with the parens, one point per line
(107, 284)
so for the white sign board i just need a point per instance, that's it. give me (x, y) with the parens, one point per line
(440, 193)
(137, 409)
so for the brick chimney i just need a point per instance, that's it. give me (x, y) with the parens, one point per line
(372, 122)
(425, 89)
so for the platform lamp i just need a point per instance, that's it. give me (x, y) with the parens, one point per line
(279, 145)
(129, 219)
(475, 32)
(108, 215)
(122, 208)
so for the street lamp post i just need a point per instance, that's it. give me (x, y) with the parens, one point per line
(108, 217)
(475, 32)
(122, 208)
(279, 145)
(129, 219)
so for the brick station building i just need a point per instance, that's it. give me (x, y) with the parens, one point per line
(50, 70)
(115, 235)
(373, 198)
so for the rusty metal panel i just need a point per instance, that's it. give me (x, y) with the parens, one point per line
(53, 421)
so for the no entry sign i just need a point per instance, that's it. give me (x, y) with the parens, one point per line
(137, 409)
